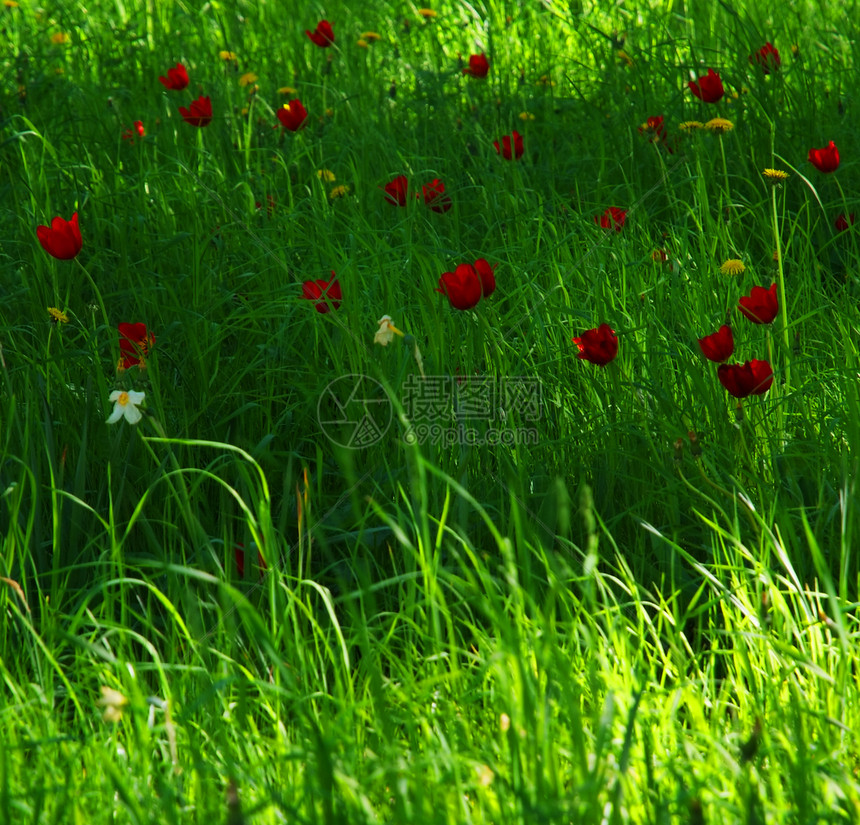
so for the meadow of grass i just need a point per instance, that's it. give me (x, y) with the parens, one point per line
(631, 597)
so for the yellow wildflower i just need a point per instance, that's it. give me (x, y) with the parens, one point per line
(247, 79)
(691, 125)
(545, 80)
(326, 175)
(226, 56)
(58, 316)
(775, 175)
(526, 116)
(10, 4)
(427, 13)
(719, 125)
(622, 55)
(361, 43)
(59, 38)
(733, 267)
(370, 36)
(338, 192)
(287, 90)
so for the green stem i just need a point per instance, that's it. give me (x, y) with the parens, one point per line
(783, 302)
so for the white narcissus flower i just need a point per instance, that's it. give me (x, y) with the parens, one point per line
(386, 332)
(126, 406)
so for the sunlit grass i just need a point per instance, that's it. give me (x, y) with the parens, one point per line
(625, 596)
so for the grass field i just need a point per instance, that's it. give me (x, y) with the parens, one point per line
(448, 416)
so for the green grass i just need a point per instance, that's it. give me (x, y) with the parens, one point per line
(645, 612)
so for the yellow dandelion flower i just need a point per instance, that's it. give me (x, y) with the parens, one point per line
(338, 192)
(329, 112)
(226, 56)
(733, 267)
(427, 14)
(247, 79)
(370, 36)
(622, 55)
(59, 38)
(526, 116)
(287, 90)
(691, 125)
(545, 80)
(326, 175)
(58, 316)
(719, 125)
(361, 43)
(775, 175)
(10, 4)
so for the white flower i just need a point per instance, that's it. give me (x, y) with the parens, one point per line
(125, 405)
(386, 332)
(112, 701)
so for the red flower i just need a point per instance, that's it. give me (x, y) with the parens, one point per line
(843, 222)
(63, 239)
(435, 197)
(322, 35)
(767, 57)
(752, 378)
(487, 275)
(719, 345)
(612, 218)
(709, 88)
(128, 134)
(599, 346)
(507, 151)
(463, 286)
(761, 305)
(199, 113)
(134, 344)
(177, 79)
(319, 290)
(293, 115)
(478, 66)
(395, 191)
(826, 159)
(653, 127)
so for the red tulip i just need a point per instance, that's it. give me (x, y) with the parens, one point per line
(719, 345)
(63, 239)
(508, 151)
(761, 305)
(135, 342)
(826, 159)
(613, 217)
(843, 222)
(487, 274)
(319, 290)
(177, 79)
(293, 115)
(395, 191)
(599, 346)
(463, 286)
(322, 35)
(199, 113)
(478, 66)
(752, 378)
(709, 88)
(767, 57)
(435, 197)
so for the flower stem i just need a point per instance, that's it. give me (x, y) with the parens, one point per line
(783, 298)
